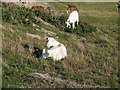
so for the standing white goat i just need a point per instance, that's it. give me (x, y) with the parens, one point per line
(58, 50)
(73, 17)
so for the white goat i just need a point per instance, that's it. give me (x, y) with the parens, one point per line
(58, 51)
(73, 17)
(52, 42)
(43, 53)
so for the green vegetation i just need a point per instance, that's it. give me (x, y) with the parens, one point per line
(92, 47)
(59, 21)
(18, 15)
(54, 20)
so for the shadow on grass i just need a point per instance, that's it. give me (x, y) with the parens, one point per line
(82, 29)
(37, 52)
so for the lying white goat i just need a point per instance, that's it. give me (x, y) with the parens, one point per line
(73, 17)
(58, 51)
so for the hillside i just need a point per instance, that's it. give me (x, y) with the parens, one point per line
(92, 47)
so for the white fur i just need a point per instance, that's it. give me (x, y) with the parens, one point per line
(73, 17)
(52, 42)
(43, 53)
(26, 1)
(58, 51)
(67, 11)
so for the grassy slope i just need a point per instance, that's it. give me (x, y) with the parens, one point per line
(91, 60)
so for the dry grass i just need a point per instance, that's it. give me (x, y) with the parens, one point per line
(91, 61)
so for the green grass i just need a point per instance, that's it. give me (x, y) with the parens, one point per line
(92, 55)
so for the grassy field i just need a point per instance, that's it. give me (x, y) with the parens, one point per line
(92, 53)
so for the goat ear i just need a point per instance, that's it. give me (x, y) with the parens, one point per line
(46, 37)
(56, 38)
(68, 20)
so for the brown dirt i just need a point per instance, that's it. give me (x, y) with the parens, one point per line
(46, 6)
(33, 35)
(39, 19)
(11, 30)
(30, 4)
(1, 26)
(71, 83)
(48, 32)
